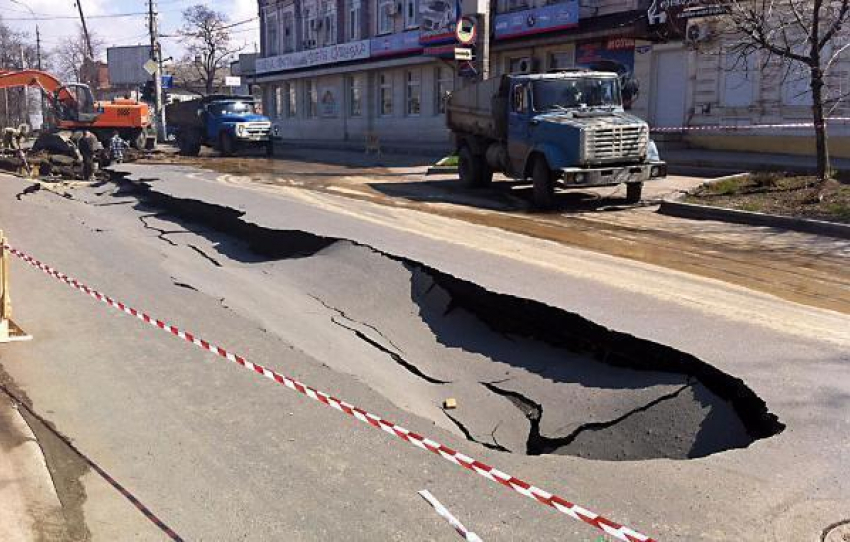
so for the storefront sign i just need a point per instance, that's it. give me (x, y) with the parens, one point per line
(394, 44)
(343, 52)
(537, 20)
(438, 21)
(670, 17)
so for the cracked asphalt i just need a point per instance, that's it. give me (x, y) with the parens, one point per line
(376, 306)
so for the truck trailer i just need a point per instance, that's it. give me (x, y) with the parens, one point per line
(566, 128)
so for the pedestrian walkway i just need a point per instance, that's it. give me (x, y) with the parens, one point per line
(29, 506)
(690, 160)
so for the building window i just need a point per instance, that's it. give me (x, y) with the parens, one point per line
(327, 24)
(414, 93)
(355, 97)
(310, 28)
(278, 101)
(353, 27)
(739, 75)
(386, 11)
(288, 32)
(272, 34)
(292, 98)
(505, 6)
(445, 84)
(311, 94)
(385, 94)
(561, 60)
(519, 65)
(410, 15)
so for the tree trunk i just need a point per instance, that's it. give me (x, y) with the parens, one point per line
(821, 143)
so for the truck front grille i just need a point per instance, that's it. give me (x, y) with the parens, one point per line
(616, 143)
(258, 128)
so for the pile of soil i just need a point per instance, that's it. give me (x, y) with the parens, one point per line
(779, 194)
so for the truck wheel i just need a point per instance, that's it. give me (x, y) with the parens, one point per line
(544, 185)
(227, 145)
(139, 140)
(633, 192)
(473, 169)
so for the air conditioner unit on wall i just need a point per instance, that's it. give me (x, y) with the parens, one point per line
(698, 31)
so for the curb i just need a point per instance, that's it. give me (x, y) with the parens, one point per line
(441, 170)
(673, 207)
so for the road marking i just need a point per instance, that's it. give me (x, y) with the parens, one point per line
(620, 532)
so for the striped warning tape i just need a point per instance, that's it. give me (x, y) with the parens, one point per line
(620, 532)
(742, 127)
(444, 513)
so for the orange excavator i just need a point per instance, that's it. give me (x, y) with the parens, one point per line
(72, 107)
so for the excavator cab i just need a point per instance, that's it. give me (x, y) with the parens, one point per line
(75, 103)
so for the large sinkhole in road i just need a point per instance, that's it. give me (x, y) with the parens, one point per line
(529, 378)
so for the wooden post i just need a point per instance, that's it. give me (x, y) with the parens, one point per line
(9, 331)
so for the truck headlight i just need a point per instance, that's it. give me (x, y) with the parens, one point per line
(240, 130)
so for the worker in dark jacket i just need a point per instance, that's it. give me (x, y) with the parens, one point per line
(89, 146)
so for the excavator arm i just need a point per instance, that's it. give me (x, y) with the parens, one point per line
(51, 86)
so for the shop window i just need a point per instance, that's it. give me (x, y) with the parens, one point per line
(355, 97)
(292, 98)
(519, 65)
(312, 96)
(385, 94)
(561, 60)
(445, 84)
(278, 101)
(414, 93)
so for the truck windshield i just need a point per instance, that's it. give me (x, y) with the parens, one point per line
(576, 93)
(232, 108)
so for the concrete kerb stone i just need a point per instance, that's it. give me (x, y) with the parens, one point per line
(673, 205)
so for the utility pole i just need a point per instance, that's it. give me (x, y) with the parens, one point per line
(156, 56)
(89, 51)
(38, 65)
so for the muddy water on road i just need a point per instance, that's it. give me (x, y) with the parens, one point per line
(801, 268)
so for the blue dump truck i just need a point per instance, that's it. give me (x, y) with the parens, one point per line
(226, 123)
(567, 128)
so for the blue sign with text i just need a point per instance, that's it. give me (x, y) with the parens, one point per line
(537, 20)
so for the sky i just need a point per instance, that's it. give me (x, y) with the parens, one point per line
(61, 19)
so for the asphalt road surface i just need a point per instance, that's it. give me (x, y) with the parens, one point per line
(684, 406)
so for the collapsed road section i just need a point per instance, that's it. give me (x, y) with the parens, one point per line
(530, 378)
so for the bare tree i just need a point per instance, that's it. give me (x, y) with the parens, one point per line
(208, 44)
(803, 38)
(71, 60)
(17, 52)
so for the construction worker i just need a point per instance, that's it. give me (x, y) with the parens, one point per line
(88, 145)
(116, 148)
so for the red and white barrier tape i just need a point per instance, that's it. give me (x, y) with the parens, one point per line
(444, 513)
(742, 127)
(620, 532)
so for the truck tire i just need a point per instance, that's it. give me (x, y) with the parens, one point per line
(188, 144)
(226, 144)
(139, 140)
(543, 193)
(633, 192)
(473, 169)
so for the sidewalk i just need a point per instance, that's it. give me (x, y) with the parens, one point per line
(29, 507)
(702, 161)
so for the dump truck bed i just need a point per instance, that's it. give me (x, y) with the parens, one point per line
(184, 114)
(471, 110)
